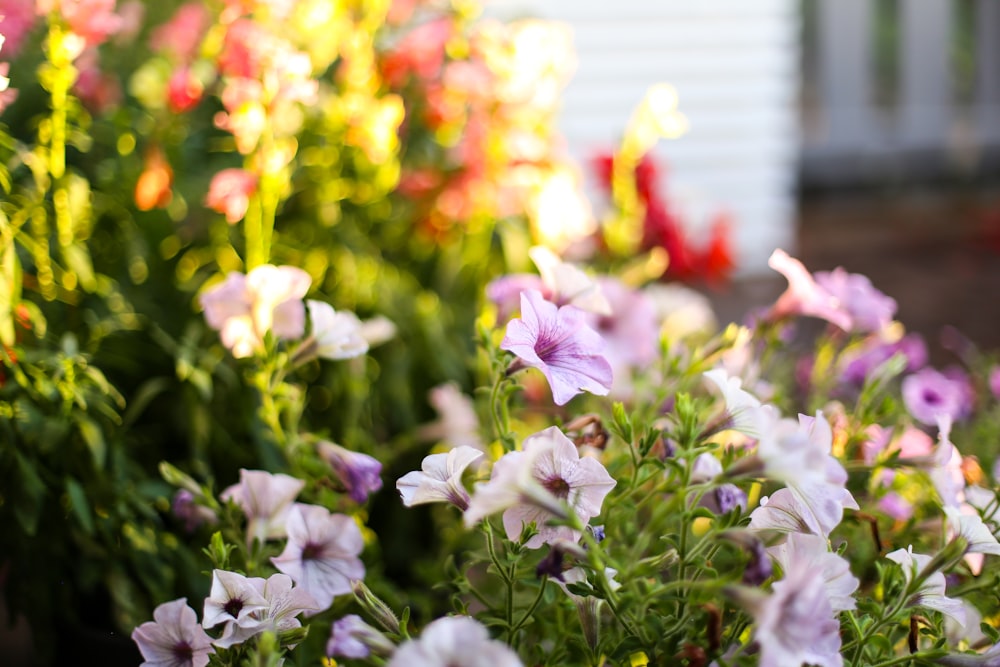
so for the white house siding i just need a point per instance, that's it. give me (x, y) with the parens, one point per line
(734, 66)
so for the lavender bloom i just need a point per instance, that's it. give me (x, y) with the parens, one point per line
(531, 486)
(190, 512)
(351, 637)
(629, 329)
(811, 552)
(173, 638)
(931, 593)
(759, 569)
(322, 553)
(724, 499)
(929, 393)
(796, 624)
(804, 296)
(454, 640)
(359, 473)
(995, 382)
(283, 603)
(558, 342)
(266, 500)
(506, 291)
(858, 368)
(439, 479)
(868, 308)
(457, 422)
(232, 599)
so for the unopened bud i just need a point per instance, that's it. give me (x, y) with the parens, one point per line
(378, 610)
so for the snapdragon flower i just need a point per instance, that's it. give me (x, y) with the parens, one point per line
(266, 499)
(539, 484)
(439, 479)
(322, 553)
(173, 638)
(558, 342)
(454, 640)
(244, 308)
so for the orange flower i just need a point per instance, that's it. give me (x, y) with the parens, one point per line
(153, 189)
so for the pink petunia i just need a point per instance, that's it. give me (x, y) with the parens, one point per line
(173, 638)
(558, 342)
(266, 500)
(322, 552)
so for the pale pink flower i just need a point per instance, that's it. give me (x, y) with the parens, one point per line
(811, 552)
(630, 330)
(173, 638)
(334, 334)
(266, 500)
(245, 308)
(351, 637)
(796, 624)
(931, 593)
(232, 599)
(283, 603)
(357, 472)
(804, 296)
(322, 553)
(531, 486)
(945, 468)
(229, 193)
(869, 309)
(439, 479)
(457, 424)
(558, 342)
(454, 640)
(181, 36)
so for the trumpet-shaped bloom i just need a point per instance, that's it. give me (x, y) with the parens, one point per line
(531, 486)
(811, 552)
(558, 342)
(243, 309)
(351, 637)
(931, 592)
(868, 308)
(439, 479)
(744, 412)
(283, 603)
(804, 296)
(322, 553)
(232, 599)
(336, 334)
(173, 638)
(359, 473)
(457, 423)
(266, 500)
(929, 394)
(454, 640)
(796, 624)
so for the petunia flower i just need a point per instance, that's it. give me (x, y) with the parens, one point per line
(266, 500)
(931, 593)
(457, 424)
(283, 604)
(558, 342)
(587, 606)
(928, 394)
(334, 334)
(535, 485)
(804, 296)
(630, 330)
(173, 638)
(869, 309)
(232, 599)
(796, 624)
(351, 637)
(359, 473)
(811, 552)
(439, 479)
(454, 640)
(322, 553)
(744, 411)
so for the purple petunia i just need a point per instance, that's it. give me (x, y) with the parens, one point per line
(358, 473)
(558, 342)
(929, 394)
(174, 638)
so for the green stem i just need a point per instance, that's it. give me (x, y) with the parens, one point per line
(534, 605)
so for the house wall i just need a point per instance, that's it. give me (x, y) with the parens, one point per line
(734, 64)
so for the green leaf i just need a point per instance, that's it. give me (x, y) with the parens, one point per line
(28, 504)
(80, 505)
(94, 439)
